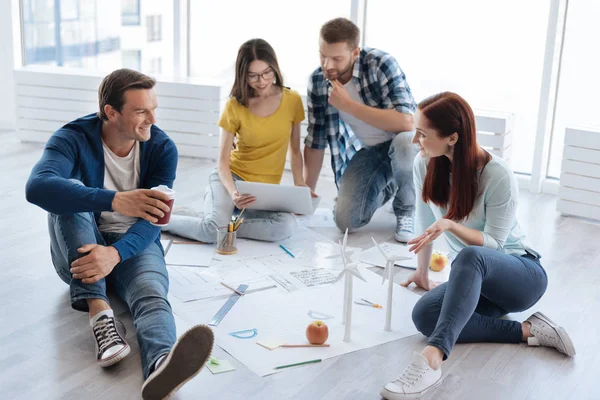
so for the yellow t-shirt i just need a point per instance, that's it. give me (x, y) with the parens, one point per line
(261, 149)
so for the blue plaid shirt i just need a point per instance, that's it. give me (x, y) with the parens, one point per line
(381, 84)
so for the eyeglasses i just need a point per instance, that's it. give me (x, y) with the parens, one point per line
(267, 76)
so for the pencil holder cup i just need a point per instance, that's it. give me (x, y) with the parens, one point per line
(226, 241)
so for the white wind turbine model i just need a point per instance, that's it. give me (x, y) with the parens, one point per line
(388, 273)
(349, 270)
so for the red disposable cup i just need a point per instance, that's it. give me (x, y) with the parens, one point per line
(164, 220)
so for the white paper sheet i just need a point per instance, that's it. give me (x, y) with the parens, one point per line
(322, 218)
(194, 284)
(192, 255)
(314, 250)
(308, 248)
(223, 366)
(284, 317)
(260, 264)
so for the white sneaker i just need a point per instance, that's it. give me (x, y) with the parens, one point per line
(417, 379)
(547, 333)
(111, 346)
(404, 229)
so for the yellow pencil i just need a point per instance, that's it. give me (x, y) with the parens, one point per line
(237, 225)
(240, 215)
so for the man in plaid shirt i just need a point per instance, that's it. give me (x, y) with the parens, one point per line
(360, 104)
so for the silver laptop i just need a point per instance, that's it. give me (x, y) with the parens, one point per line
(282, 198)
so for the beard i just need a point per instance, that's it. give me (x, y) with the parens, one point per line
(337, 74)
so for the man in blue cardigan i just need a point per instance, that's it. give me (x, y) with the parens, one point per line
(94, 179)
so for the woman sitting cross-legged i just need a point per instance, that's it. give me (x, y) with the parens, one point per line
(470, 196)
(265, 118)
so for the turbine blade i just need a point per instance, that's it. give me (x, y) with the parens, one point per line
(340, 275)
(353, 269)
(379, 247)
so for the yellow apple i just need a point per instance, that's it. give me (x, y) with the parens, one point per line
(317, 332)
(438, 262)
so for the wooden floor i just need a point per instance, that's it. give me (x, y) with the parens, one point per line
(46, 349)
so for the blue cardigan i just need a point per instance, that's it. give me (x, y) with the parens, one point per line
(75, 152)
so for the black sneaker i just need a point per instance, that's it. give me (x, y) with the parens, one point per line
(111, 346)
(185, 360)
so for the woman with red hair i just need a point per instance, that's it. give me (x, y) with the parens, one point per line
(470, 196)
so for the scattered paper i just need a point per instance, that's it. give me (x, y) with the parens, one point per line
(283, 316)
(191, 255)
(314, 277)
(223, 366)
(322, 218)
(193, 284)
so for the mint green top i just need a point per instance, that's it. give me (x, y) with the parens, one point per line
(493, 214)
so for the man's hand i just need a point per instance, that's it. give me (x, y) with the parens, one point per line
(142, 203)
(339, 96)
(97, 264)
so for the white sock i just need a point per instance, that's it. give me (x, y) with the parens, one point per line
(157, 363)
(96, 317)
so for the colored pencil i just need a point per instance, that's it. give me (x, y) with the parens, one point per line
(287, 251)
(300, 363)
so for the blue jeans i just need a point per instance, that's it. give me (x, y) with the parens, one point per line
(484, 285)
(141, 281)
(218, 207)
(372, 177)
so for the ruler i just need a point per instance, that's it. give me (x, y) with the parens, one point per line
(227, 306)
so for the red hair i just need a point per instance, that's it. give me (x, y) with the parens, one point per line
(448, 113)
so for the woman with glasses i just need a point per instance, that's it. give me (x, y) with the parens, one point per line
(264, 118)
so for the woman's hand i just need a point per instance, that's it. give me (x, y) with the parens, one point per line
(312, 192)
(433, 232)
(242, 200)
(421, 280)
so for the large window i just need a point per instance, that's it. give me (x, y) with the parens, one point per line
(132, 59)
(99, 34)
(72, 33)
(155, 66)
(154, 28)
(577, 100)
(130, 12)
(218, 29)
(491, 53)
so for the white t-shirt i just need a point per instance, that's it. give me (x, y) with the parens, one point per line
(368, 135)
(120, 174)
